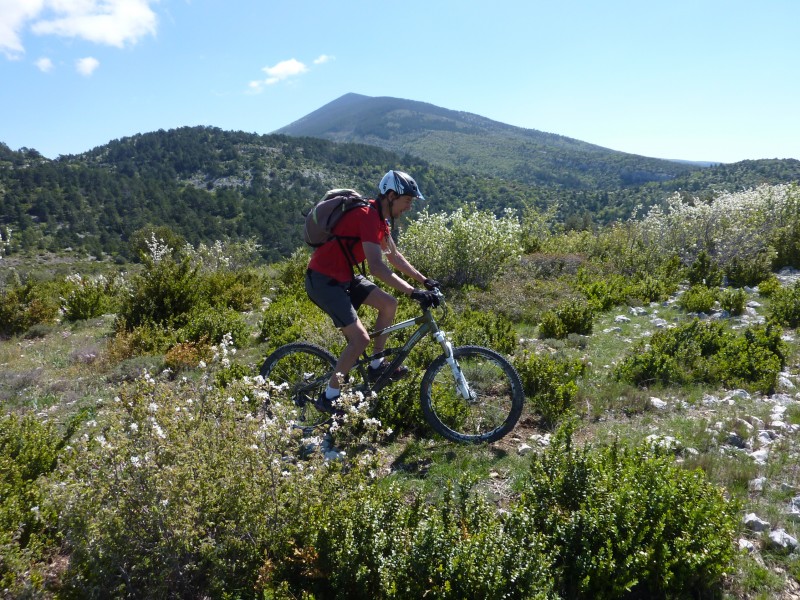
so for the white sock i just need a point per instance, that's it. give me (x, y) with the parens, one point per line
(376, 363)
(331, 392)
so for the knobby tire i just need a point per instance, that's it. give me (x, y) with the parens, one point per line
(494, 407)
(303, 370)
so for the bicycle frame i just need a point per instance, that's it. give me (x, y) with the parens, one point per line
(427, 326)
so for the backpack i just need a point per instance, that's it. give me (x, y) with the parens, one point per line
(321, 219)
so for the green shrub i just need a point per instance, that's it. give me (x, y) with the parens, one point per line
(484, 329)
(749, 271)
(769, 286)
(380, 543)
(163, 295)
(89, 297)
(705, 271)
(212, 323)
(733, 300)
(628, 522)
(28, 451)
(707, 352)
(239, 290)
(549, 383)
(23, 305)
(290, 317)
(698, 299)
(178, 492)
(785, 305)
(571, 316)
(551, 327)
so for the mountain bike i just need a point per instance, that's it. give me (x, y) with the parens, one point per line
(468, 394)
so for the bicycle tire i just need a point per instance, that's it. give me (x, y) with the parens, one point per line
(304, 369)
(495, 405)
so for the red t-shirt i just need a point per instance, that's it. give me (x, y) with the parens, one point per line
(365, 225)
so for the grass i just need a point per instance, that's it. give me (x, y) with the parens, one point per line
(57, 370)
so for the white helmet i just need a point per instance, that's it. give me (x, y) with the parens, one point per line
(402, 183)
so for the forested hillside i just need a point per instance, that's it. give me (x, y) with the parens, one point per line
(206, 184)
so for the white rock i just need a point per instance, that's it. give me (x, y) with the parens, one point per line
(757, 484)
(755, 523)
(621, 319)
(659, 323)
(760, 456)
(638, 311)
(658, 403)
(781, 540)
(613, 330)
(748, 426)
(746, 546)
(793, 514)
(524, 449)
(785, 384)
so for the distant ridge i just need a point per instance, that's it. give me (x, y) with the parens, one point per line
(467, 141)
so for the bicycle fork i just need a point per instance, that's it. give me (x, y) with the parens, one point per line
(461, 383)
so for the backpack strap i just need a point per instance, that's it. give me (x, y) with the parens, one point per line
(347, 249)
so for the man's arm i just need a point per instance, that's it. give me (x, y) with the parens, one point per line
(382, 271)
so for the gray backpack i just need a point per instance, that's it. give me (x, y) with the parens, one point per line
(321, 219)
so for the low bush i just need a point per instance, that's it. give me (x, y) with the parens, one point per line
(163, 295)
(571, 316)
(698, 299)
(749, 271)
(707, 352)
(549, 383)
(704, 271)
(383, 543)
(23, 305)
(481, 328)
(627, 522)
(28, 451)
(784, 305)
(733, 300)
(90, 297)
(291, 317)
(769, 286)
(212, 323)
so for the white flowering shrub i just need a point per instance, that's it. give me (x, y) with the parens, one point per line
(733, 228)
(5, 241)
(183, 488)
(90, 297)
(466, 247)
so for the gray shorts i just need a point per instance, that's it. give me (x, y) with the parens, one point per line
(339, 300)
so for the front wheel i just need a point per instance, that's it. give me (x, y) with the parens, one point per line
(301, 371)
(494, 402)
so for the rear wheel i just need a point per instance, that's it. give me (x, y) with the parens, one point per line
(495, 397)
(301, 371)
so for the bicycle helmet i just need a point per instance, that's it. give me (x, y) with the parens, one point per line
(402, 183)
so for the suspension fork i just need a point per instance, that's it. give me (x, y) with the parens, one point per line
(461, 383)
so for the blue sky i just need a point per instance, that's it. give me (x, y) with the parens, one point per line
(715, 80)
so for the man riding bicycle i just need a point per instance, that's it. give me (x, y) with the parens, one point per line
(363, 234)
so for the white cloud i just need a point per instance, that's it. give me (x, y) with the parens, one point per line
(86, 66)
(44, 64)
(13, 16)
(109, 22)
(284, 70)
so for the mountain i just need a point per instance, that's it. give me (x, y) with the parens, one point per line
(476, 144)
(205, 183)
